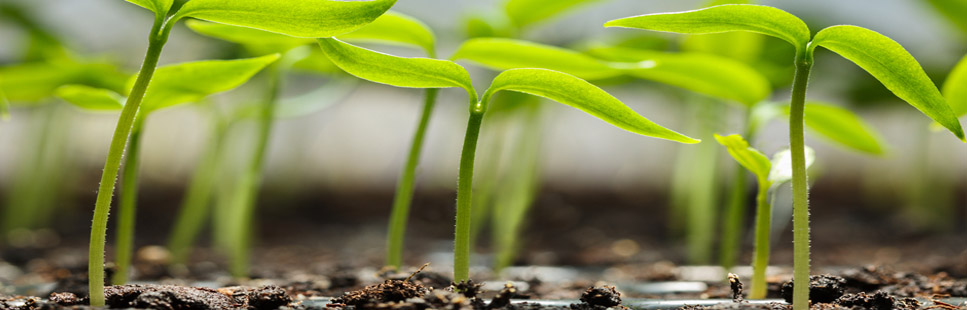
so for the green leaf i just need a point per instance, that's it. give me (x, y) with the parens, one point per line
(159, 7)
(329, 94)
(317, 62)
(955, 88)
(893, 66)
(954, 10)
(397, 71)
(839, 125)
(91, 98)
(724, 18)
(192, 81)
(580, 94)
(707, 74)
(503, 54)
(36, 81)
(258, 41)
(304, 18)
(526, 12)
(750, 158)
(782, 165)
(395, 28)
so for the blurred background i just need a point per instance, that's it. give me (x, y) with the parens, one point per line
(336, 169)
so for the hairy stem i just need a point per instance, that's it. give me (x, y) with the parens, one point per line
(763, 227)
(124, 248)
(461, 239)
(109, 175)
(195, 207)
(404, 188)
(800, 192)
(251, 179)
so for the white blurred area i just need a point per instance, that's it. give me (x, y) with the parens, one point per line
(361, 142)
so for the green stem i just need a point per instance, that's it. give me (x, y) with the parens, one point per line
(763, 227)
(127, 206)
(735, 211)
(461, 239)
(404, 189)
(250, 181)
(105, 191)
(195, 207)
(800, 192)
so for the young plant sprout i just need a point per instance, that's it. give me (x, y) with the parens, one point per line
(432, 73)
(769, 175)
(706, 74)
(172, 85)
(390, 28)
(882, 57)
(322, 18)
(955, 88)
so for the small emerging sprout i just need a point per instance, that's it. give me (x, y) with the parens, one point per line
(769, 175)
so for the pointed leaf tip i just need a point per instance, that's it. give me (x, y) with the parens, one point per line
(415, 72)
(893, 66)
(575, 92)
(724, 18)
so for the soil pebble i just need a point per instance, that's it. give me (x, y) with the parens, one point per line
(877, 301)
(822, 289)
(599, 298)
(387, 292)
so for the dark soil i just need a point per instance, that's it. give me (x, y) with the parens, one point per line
(822, 289)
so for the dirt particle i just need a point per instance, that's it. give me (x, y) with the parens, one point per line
(599, 298)
(736, 286)
(822, 289)
(388, 291)
(167, 297)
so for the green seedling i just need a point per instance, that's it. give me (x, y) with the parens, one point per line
(432, 73)
(391, 28)
(303, 19)
(705, 74)
(955, 88)
(769, 175)
(171, 86)
(882, 57)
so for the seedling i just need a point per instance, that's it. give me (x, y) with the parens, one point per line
(432, 73)
(882, 57)
(706, 74)
(317, 19)
(172, 85)
(390, 28)
(769, 175)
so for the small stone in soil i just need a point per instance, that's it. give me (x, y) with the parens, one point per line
(822, 289)
(467, 288)
(503, 297)
(66, 299)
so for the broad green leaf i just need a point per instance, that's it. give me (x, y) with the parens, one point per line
(159, 7)
(36, 81)
(707, 74)
(192, 81)
(745, 155)
(395, 28)
(91, 98)
(304, 18)
(724, 18)
(255, 40)
(782, 165)
(742, 46)
(580, 94)
(526, 12)
(893, 66)
(839, 125)
(955, 88)
(503, 54)
(954, 10)
(396, 71)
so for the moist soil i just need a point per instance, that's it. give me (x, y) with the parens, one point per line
(334, 252)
